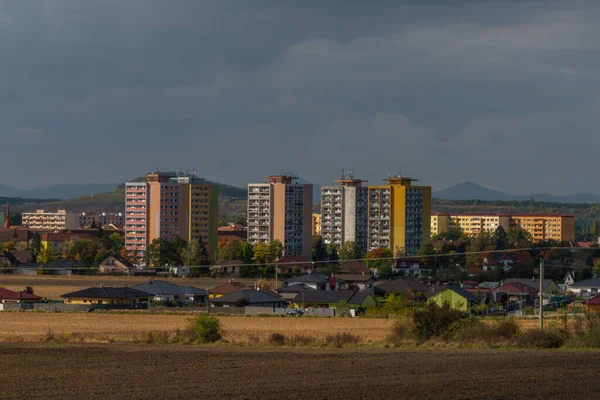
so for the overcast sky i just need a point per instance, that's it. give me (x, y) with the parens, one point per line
(502, 93)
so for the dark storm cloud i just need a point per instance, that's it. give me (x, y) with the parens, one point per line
(448, 91)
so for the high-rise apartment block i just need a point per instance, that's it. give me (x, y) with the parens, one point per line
(542, 227)
(344, 213)
(399, 215)
(41, 219)
(281, 209)
(168, 205)
(89, 220)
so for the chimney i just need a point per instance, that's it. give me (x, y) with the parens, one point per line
(102, 285)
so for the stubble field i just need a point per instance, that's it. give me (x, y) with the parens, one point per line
(186, 372)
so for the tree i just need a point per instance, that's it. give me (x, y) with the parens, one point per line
(8, 246)
(36, 245)
(379, 257)
(425, 253)
(194, 254)
(275, 250)
(385, 272)
(261, 252)
(116, 243)
(332, 251)
(319, 251)
(518, 238)
(65, 249)
(349, 251)
(450, 234)
(499, 238)
(232, 250)
(246, 252)
(93, 225)
(174, 248)
(154, 255)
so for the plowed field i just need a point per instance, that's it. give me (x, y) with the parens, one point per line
(186, 372)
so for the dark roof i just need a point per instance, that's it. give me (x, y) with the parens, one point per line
(354, 267)
(529, 282)
(331, 296)
(166, 288)
(295, 259)
(65, 263)
(294, 288)
(354, 277)
(6, 294)
(121, 260)
(456, 289)
(251, 296)
(587, 283)
(312, 278)
(403, 285)
(517, 288)
(229, 287)
(15, 235)
(107, 293)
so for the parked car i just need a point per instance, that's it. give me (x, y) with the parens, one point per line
(294, 312)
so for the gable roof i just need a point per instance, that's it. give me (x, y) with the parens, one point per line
(294, 259)
(15, 235)
(309, 278)
(6, 294)
(294, 288)
(107, 293)
(229, 287)
(331, 296)
(158, 287)
(402, 285)
(517, 288)
(354, 267)
(594, 300)
(529, 282)
(252, 296)
(354, 277)
(121, 260)
(456, 289)
(587, 283)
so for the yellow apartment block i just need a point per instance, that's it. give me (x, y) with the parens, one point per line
(316, 224)
(541, 226)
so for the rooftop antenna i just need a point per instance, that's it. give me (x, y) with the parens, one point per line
(343, 174)
(531, 205)
(281, 170)
(399, 172)
(351, 174)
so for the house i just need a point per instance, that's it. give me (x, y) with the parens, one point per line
(228, 267)
(593, 305)
(144, 272)
(587, 288)
(246, 297)
(515, 291)
(354, 267)
(226, 288)
(291, 264)
(484, 296)
(358, 282)
(15, 257)
(411, 266)
(63, 266)
(8, 296)
(180, 272)
(455, 296)
(15, 235)
(402, 285)
(506, 261)
(116, 265)
(290, 292)
(106, 295)
(569, 278)
(317, 282)
(469, 284)
(166, 291)
(474, 272)
(489, 285)
(550, 288)
(332, 299)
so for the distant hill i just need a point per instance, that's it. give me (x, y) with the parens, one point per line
(57, 191)
(224, 189)
(473, 191)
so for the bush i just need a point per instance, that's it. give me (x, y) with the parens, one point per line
(466, 330)
(403, 329)
(300, 340)
(156, 337)
(434, 321)
(276, 339)
(543, 339)
(341, 339)
(505, 329)
(590, 339)
(207, 328)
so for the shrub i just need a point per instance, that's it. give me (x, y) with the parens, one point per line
(505, 329)
(590, 339)
(276, 339)
(465, 330)
(434, 321)
(301, 340)
(207, 328)
(403, 329)
(544, 339)
(156, 337)
(341, 339)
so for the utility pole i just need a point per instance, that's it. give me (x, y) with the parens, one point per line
(542, 292)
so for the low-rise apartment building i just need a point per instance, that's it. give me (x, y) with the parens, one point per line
(100, 219)
(41, 219)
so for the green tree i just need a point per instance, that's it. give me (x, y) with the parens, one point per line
(261, 253)
(8, 246)
(275, 250)
(116, 243)
(518, 238)
(379, 257)
(36, 245)
(319, 251)
(232, 250)
(451, 234)
(349, 251)
(500, 238)
(425, 253)
(332, 250)
(194, 254)
(385, 272)
(154, 254)
(246, 252)
(174, 248)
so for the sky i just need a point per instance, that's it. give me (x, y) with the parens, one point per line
(501, 93)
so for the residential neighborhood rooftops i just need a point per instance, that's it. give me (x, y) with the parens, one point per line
(294, 288)
(587, 283)
(158, 287)
(516, 288)
(594, 300)
(107, 293)
(250, 296)
(229, 287)
(308, 278)
(6, 294)
(330, 297)
(402, 285)
(354, 277)
(354, 267)
(535, 283)
(456, 289)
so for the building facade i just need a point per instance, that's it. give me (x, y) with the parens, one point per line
(168, 205)
(399, 216)
(41, 219)
(101, 219)
(281, 209)
(542, 227)
(344, 213)
(316, 224)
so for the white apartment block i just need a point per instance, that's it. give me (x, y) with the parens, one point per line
(260, 199)
(135, 217)
(344, 213)
(41, 219)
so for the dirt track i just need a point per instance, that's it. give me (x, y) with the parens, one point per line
(131, 372)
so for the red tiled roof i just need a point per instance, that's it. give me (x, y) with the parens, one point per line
(6, 294)
(516, 288)
(229, 287)
(594, 300)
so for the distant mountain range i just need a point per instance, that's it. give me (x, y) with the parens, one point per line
(57, 191)
(473, 191)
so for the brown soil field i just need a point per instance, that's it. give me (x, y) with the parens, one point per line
(53, 286)
(64, 371)
(29, 326)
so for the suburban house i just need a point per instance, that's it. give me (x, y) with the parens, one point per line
(226, 288)
(106, 295)
(64, 267)
(484, 296)
(569, 279)
(180, 272)
(411, 266)
(290, 264)
(550, 288)
(401, 285)
(317, 282)
(587, 288)
(354, 267)
(166, 291)
(332, 299)
(358, 282)
(515, 291)
(15, 257)
(455, 296)
(246, 297)
(116, 265)
(8, 296)
(593, 305)
(290, 292)
(228, 267)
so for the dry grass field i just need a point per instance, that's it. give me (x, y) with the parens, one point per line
(53, 286)
(31, 327)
